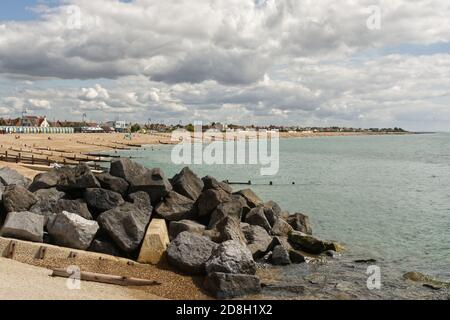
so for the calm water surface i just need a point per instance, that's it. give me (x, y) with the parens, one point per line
(384, 197)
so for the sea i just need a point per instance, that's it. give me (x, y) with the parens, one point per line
(385, 197)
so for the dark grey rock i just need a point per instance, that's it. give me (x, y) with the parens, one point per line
(257, 217)
(110, 182)
(225, 209)
(229, 229)
(47, 200)
(153, 181)
(142, 200)
(189, 252)
(17, 198)
(76, 178)
(10, 176)
(101, 200)
(272, 211)
(126, 225)
(71, 230)
(212, 183)
(188, 184)
(226, 286)
(280, 256)
(78, 206)
(24, 225)
(281, 228)
(252, 199)
(258, 240)
(175, 207)
(209, 200)
(45, 180)
(105, 247)
(177, 227)
(231, 257)
(300, 222)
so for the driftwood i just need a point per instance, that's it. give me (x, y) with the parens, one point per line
(105, 278)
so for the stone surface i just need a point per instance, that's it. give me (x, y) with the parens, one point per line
(100, 200)
(188, 184)
(24, 225)
(225, 209)
(17, 198)
(110, 182)
(177, 227)
(307, 242)
(229, 229)
(10, 176)
(252, 199)
(257, 217)
(226, 286)
(300, 222)
(153, 181)
(272, 211)
(126, 225)
(105, 246)
(209, 200)
(281, 228)
(47, 200)
(258, 240)
(44, 180)
(76, 178)
(155, 242)
(280, 256)
(212, 183)
(77, 206)
(231, 257)
(175, 207)
(142, 200)
(71, 230)
(189, 252)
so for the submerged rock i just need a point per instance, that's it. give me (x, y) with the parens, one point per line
(226, 285)
(24, 225)
(189, 252)
(71, 230)
(188, 184)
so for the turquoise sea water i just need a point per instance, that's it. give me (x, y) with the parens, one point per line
(384, 197)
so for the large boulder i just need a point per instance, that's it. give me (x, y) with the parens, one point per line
(252, 199)
(17, 198)
(142, 200)
(140, 178)
(126, 225)
(155, 242)
(77, 206)
(257, 217)
(280, 256)
(76, 178)
(177, 227)
(71, 230)
(307, 242)
(189, 252)
(45, 180)
(175, 207)
(47, 200)
(187, 183)
(295, 256)
(231, 257)
(104, 246)
(24, 225)
(110, 182)
(225, 209)
(10, 176)
(258, 240)
(272, 211)
(300, 222)
(281, 228)
(209, 200)
(212, 183)
(229, 228)
(101, 200)
(226, 285)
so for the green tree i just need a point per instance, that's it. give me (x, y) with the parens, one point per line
(135, 128)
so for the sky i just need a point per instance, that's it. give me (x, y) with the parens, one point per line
(366, 63)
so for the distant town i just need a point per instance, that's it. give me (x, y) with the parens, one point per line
(40, 124)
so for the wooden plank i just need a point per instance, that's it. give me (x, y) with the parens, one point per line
(105, 278)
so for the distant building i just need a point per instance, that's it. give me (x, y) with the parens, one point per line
(34, 121)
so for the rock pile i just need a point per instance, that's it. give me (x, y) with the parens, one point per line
(213, 231)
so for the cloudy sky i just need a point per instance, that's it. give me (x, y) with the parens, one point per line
(366, 63)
